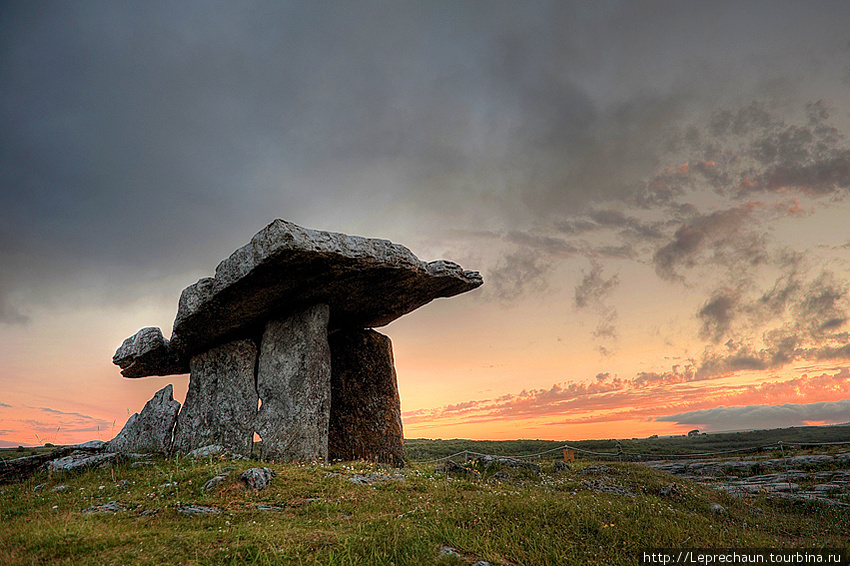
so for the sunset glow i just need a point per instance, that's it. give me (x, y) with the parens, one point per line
(660, 216)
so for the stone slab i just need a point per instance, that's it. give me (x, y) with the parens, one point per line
(294, 383)
(366, 282)
(150, 430)
(365, 421)
(221, 403)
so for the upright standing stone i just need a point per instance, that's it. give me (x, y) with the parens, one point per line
(365, 406)
(294, 382)
(221, 404)
(150, 430)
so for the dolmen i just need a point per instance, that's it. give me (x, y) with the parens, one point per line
(281, 342)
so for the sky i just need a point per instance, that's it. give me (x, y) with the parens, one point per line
(656, 194)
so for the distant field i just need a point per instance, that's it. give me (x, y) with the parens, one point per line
(419, 449)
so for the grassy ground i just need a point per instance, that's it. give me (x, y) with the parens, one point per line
(426, 449)
(322, 518)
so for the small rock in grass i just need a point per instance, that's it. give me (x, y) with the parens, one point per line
(258, 478)
(717, 508)
(214, 482)
(454, 469)
(198, 510)
(269, 508)
(111, 507)
(502, 475)
(448, 551)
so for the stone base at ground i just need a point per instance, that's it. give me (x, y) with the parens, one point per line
(293, 383)
(221, 404)
(152, 429)
(365, 420)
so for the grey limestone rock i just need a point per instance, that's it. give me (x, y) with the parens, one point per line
(370, 479)
(151, 429)
(79, 460)
(506, 462)
(294, 386)
(198, 510)
(258, 478)
(221, 403)
(285, 268)
(146, 353)
(365, 417)
(452, 468)
(214, 482)
(111, 507)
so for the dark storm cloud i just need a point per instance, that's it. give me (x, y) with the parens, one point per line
(135, 132)
(144, 138)
(718, 313)
(593, 288)
(518, 273)
(725, 237)
(592, 293)
(800, 318)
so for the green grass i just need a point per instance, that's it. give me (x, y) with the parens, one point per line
(425, 449)
(553, 519)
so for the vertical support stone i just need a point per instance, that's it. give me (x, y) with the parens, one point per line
(221, 404)
(365, 408)
(150, 430)
(294, 385)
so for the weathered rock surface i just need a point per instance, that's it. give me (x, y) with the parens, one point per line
(286, 268)
(150, 430)
(507, 462)
(198, 510)
(258, 478)
(146, 353)
(371, 479)
(786, 484)
(111, 507)
(452, 468)
(215, 481)
(79, 460)
(365, 416)
(22, 468)
(294, 386)
(221, 403)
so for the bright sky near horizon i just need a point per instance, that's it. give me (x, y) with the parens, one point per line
(655, 192)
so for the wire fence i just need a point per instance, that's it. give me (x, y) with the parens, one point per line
(641, 456)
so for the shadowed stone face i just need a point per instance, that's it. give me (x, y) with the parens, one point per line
(221, 404)
(293, 382)
(150, 430)
(365, 407)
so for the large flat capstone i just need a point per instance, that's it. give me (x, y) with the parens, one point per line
(285, 268)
